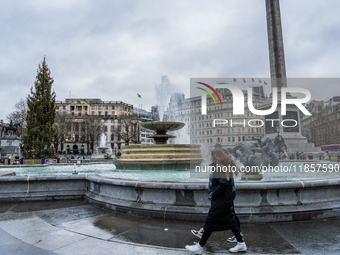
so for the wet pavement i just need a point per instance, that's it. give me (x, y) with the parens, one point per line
(77, 227)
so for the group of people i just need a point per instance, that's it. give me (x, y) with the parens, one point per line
(284, 155)
(221, 215)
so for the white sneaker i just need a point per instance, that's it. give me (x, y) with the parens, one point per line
(198, 233)
(239, 247)
(197, 249)
(233, 239)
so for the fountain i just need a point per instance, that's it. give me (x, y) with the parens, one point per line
(102, 150)
(160, 156)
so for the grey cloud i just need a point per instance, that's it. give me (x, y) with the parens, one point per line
(116, 49)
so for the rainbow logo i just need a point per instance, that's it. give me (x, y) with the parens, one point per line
(208, 92)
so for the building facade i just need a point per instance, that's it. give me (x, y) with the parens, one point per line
(323, 126)
(116, 119)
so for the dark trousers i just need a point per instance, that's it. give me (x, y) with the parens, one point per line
(209, 229)
(238, 221)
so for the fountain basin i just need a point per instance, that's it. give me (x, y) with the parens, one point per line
(255, 201)
(162, 125)
(102, 149)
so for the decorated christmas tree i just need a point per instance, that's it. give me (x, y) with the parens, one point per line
(40, 133)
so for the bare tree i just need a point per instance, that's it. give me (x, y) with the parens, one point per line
(19, 116)
(128, 129)
(92, 128)
(63, 123)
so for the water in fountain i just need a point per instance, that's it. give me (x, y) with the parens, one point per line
(163, 92)
(169, 96)
(172, 113)
(103, 144)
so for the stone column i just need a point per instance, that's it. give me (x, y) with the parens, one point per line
(275, 42)
(292, 135)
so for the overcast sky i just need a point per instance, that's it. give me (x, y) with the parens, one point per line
(113, 50)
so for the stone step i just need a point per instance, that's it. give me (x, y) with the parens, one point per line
(159, 159)
(162, 156)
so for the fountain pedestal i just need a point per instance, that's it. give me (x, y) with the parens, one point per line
(160, 156)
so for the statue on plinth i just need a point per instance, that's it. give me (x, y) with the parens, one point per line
(12, 127)
(10, 143)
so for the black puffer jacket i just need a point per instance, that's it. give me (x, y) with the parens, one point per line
(221, 195)
(221, 215)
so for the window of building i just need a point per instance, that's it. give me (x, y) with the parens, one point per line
(64, 107)
(57, 107)
(99, 107)
(106, 113)
(100, 113)
(93, 107)
(113, 107)
(79, 108)
(72, 108)
(106, 107)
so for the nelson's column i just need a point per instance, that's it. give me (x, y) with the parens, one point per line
(292, 135)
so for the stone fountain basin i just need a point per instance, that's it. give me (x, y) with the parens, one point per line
(162, 125)
(255, 201)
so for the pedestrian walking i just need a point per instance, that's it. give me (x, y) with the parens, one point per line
(221, 214)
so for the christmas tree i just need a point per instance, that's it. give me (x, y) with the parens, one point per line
(40, 132)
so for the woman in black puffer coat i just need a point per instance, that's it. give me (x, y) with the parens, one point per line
(221, 215)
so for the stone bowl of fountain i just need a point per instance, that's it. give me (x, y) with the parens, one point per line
(102, 150)
(161, 127)
(160, 156)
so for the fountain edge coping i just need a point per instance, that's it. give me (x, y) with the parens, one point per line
(256, 185)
